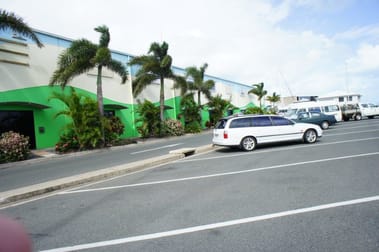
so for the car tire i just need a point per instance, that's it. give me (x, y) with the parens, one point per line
(358, 117)
(325, 125)
(310, 136)
(248, 143)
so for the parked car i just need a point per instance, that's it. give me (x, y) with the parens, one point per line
(351, 111)
(368, 109)
(326, 107)
(321, 119)
(248, 131)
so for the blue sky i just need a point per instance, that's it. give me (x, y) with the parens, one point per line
(332, 17)
(296, 47)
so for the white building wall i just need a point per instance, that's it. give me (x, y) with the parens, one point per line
(342, 98)
(37, 65)
(33, 66)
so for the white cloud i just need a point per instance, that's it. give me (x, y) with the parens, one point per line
(366, 32)
(323, 5)
(241, 40)
(365, 60)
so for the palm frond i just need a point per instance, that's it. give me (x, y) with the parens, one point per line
(75, 60)
(119, 68)
(202, 70)
(147, 63)
(166, 62)
(105, 35)
(82, 49)
(159, 51)
(8, 20)
(194, 73)
(142, 81)
(181, 83)
(206, 88)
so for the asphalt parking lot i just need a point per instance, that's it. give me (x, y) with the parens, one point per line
(288, 197)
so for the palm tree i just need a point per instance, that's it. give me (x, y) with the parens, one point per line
(8, 20)
(219, 107)
(86, 126)
(274, 98)
(258, 90)
(156, 65)
(197, 83)
(82, 56)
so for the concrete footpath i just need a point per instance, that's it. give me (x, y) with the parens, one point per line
(24, 193)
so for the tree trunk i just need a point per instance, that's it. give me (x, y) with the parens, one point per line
(161, 101)
(100, 100)
(198, 98)
(99, 91)
(198, 103)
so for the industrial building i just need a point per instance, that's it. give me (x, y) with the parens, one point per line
(26, 107)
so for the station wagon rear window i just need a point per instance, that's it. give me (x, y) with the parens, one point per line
(221, 124)
(261, 121)
(240, 123)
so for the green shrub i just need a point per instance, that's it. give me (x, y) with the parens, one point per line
(86, 123)
(13, 147)
(255, 111)
(193, 127)
(208, 124)
(173, 128)
(67, 142)
(190, 110)
(149, 123)
(113, 129)
(219, 108)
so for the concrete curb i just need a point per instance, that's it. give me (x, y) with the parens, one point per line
(24, 193)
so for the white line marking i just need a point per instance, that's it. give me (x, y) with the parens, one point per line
(220, 174)
(192, 159)
(80, 186)
(340, 126)
(351, 132)
(213, 225)
(158, 148)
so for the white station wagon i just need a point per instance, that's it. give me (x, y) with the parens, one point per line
(249, 130)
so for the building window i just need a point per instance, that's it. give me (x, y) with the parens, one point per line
(109, 113)
(341, 99)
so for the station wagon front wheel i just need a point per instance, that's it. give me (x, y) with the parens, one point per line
(248, 143)
(310, 136)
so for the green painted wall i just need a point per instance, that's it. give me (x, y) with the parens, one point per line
(53, 126)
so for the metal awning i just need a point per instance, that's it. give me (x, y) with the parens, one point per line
(166, 107)
(114, 106)
(25, 104)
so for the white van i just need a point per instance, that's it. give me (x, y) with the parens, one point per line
(326, 107)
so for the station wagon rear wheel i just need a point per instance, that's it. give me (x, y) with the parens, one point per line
(310, 136)
(248, 143)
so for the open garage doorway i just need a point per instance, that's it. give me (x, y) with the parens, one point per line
(19, 121)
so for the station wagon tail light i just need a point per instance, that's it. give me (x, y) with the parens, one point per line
(225, 135)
